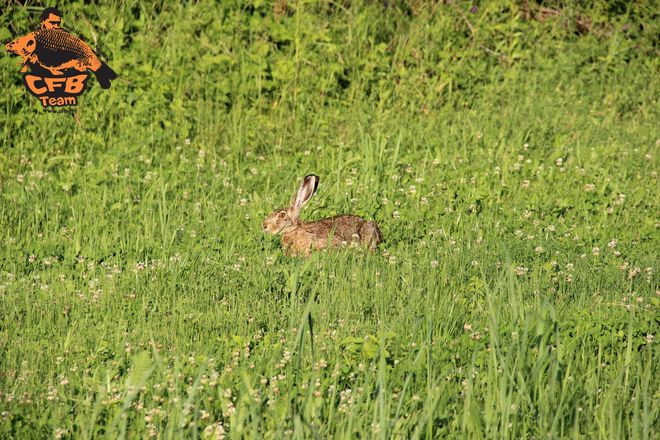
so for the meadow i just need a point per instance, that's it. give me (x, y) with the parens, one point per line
(508, 151)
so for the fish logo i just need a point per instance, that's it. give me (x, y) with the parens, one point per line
(58, 62)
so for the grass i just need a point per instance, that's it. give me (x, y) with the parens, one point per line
(513, 171)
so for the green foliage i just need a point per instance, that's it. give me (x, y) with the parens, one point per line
(508, 152)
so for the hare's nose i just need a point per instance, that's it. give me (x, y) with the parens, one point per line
(264, 226)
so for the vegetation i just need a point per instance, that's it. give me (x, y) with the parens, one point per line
(508, 151)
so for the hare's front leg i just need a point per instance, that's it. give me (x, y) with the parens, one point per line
(295, 244)
(287, 245)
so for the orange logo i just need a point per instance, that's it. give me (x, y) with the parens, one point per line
(58, 62)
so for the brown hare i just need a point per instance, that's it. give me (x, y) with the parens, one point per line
(299, 238)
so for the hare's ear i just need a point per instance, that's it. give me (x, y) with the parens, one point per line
(305, 192)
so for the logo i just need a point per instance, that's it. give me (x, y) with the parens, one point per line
(56, 63)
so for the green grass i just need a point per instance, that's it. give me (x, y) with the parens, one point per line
(513, 171)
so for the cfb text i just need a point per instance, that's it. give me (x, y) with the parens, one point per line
(56, 91)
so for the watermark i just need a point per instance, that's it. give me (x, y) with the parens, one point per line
(56, 63)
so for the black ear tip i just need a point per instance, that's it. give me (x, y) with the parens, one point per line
(315, 178)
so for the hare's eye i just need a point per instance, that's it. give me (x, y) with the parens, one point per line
(282, 214)
(30, 43)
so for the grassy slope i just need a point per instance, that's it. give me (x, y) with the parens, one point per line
(138, 295)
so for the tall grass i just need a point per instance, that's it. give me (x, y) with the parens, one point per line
(511, 164)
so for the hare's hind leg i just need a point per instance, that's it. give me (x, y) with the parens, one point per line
(370, 235)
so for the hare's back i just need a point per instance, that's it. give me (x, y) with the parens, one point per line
(343, 227)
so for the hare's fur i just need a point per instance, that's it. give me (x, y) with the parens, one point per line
(299, 238)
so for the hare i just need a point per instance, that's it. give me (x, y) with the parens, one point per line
(299, 238)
